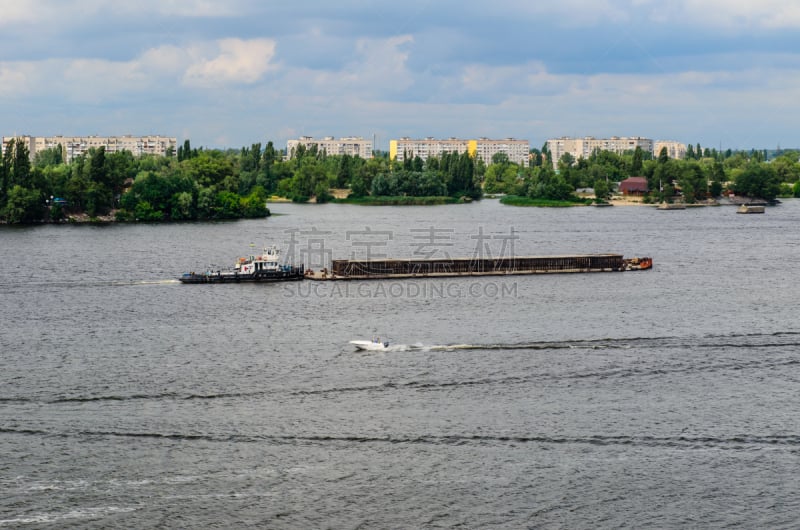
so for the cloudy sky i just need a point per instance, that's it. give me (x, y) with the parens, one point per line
(235, 72)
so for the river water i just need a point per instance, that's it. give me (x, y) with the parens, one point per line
(661, 398)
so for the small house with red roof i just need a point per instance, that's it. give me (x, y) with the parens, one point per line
(634, 186)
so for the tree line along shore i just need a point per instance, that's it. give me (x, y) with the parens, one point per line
(209, 184)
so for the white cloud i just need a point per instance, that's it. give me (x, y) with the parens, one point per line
(382, 62)
(236, 61)
(730, 14)
(775, 14)
(100, 80)
(501, 81)
(165, 60)
(20, 11)
(59, 10)
(219, 63)
(569, 13)
(15, 79)
(192, 8)
(378, 70)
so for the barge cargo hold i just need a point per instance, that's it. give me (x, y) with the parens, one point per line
(342, 269)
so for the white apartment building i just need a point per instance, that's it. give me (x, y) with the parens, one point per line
(518, 151)
(583, 147)
(348, 145)
(74, 146)
(675, 150)
(425, 147)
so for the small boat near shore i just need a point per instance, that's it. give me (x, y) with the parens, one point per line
(750, 208)
(265, 267)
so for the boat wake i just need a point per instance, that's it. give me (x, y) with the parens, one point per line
(152, 282)
(82, 284)
(695, 441)
(779, 339)
(455, 347)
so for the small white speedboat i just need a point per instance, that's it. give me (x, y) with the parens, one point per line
(370, 345)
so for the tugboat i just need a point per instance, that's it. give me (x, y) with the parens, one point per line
(262, 268)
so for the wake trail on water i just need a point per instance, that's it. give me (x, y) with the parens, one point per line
(784, 345)
(745, 340)
(82, 284)
(741, 441)
(420, 384)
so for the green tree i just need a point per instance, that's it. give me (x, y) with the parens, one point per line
(381, 186)
(321, 192)
(431, 184)
(52, 156)
(717, 178)
(693, 182)
(306, 178)
(97, 166)
(182, 206)
(459, 170)
(145, 212)
(544, 183)
(547, 156)
(501, 178)
(205, 203)
(344, 171)
(757, 180)
(602, 190)
(227, 205)
(663, 156)
(185, 152)
(255, 204)
(121, 168)
(5, 177)
(786, 168)
(209, 168)
(636, 167)
(358, 186)
(664, 177)
(20, 165)
(23, 205)
(5, 173)
(566, 161)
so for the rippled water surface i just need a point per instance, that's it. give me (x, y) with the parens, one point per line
(643, 399)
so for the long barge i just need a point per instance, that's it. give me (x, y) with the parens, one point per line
(343, 269)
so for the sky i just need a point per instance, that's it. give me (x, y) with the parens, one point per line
(722, 73)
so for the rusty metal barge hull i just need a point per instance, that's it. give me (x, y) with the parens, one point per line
(427, 268)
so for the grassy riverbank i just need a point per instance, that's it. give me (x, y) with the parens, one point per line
(516, 200)
(398, 200)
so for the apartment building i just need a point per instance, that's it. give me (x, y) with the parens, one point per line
(675, 150)
(518, 151)
(29, 142)
(483, 148)
(348, 145)
(583, 147)
(75, 146)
